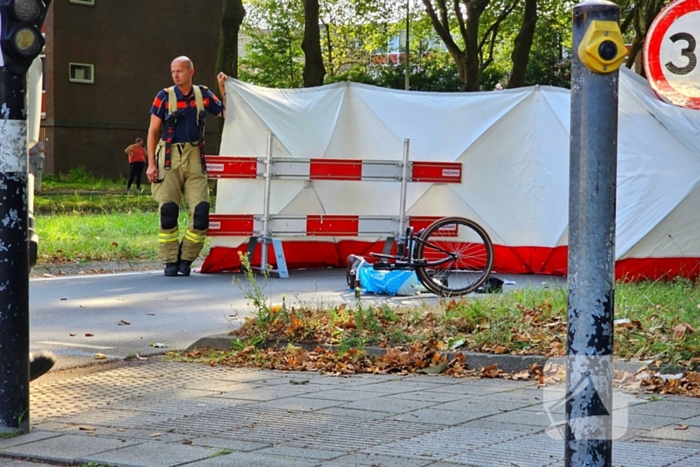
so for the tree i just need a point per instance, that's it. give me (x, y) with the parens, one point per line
(523, 44)
(314, 70)
(227, 54)
(639, 14)
(274, 57)
(478, 49)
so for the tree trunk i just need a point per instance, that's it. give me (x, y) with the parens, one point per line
(523, 44)
(227, 55)
(314, 71)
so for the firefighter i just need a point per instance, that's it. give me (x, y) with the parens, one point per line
(176, 163)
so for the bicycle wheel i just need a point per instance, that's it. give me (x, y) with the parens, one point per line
(453, 256)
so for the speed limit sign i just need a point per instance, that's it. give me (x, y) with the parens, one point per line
(671, 53)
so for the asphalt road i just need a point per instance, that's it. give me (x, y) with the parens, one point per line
(77, 317)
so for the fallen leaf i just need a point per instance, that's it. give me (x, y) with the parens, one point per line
(153, 435)
(435, 369)
(187, 442)
(100, 356)
(122, 322)
(115, 244)
(682, 329)
(87, 334)
(693, 377)
(296, 381)
(681, 427)
(72, 334)
(159, 345)
(151, 314)
(87, 428)
(121, 430)
(499, 349)
(139, 357)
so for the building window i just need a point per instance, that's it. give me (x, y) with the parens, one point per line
(84, 2)
(81, 73)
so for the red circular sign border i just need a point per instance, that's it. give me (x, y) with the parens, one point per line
(652, 51)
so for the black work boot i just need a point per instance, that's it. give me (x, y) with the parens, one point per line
(40, 363)
(171, 269)
(184, 267)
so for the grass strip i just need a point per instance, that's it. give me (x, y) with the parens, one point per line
(73, 238)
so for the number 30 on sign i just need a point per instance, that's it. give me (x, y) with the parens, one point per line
(671, 53)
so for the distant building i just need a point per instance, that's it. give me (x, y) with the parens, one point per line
(105, 61)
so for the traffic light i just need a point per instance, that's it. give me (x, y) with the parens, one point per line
(22, 41)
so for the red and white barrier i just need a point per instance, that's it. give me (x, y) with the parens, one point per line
(268, 228)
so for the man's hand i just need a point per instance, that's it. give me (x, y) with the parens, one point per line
(152, 173)
(221, 78)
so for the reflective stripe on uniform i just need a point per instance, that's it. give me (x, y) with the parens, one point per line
(164, 237)
(194, 238)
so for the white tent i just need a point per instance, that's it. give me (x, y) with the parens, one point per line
(514, 150)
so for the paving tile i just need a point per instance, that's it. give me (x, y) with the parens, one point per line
(30, 437)
(151, 454)
(438, 417)
(266, 393)
(668, 408)
(300, 452)
(480, 409)
(356, 413)
(367, 460)
(692, 433)
(228, 443)
(19, 463)
(347, 395)
(443, 444)
(692, 461)
(488, 424)
(298, 404)
(524, 417)
(219, 386)
(432, 396)
(251, 459)
(387, 404)
(630, 454)
(66, 448)
(403, 386)
(527, 451)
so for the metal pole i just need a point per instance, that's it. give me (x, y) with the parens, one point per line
(266, 202)
(404, 187)
(14, 256)
(591, 261)
(408, 47)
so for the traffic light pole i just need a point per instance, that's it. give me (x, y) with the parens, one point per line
(14, 255)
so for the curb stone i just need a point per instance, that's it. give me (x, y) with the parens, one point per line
(475, 360)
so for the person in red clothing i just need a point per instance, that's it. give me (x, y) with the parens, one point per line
(137, 161)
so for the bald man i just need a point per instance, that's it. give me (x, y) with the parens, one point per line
(176, 163)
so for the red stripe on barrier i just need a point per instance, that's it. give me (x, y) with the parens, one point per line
(231, 167)
(420, 222)
(332, 226)
(225, 225)
(444, 172)
(335, 169)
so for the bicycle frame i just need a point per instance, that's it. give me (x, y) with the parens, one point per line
(407, 261)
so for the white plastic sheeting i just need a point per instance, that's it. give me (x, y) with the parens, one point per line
(514, 147)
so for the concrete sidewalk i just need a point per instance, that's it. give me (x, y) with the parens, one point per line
(158, 413)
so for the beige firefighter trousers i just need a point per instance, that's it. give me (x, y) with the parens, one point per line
(184, 177)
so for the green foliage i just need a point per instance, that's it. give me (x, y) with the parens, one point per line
(273, 57)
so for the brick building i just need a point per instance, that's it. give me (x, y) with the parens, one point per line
(105, 61)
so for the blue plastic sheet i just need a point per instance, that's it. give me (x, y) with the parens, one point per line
(397, 282)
